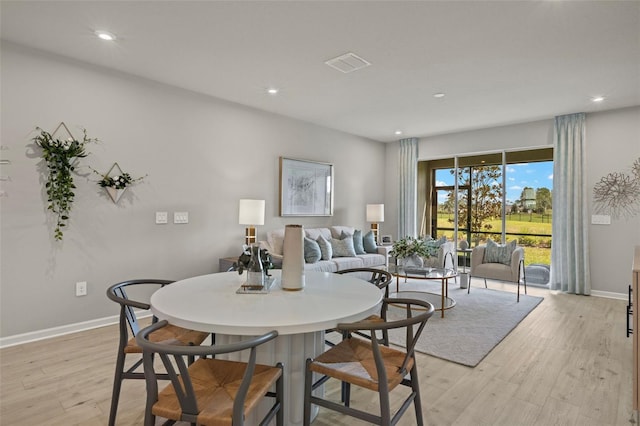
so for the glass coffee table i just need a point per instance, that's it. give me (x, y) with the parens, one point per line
(444, 275)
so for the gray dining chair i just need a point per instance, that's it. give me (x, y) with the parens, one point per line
(129, 327)
(371, 365)
(210, 391)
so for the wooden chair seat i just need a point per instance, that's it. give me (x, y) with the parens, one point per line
(210, 391)
(171, 335)
(374, 318)
(215, 383)
(352, 361)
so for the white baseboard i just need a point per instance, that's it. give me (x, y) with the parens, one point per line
(48, 333)
(610, 295)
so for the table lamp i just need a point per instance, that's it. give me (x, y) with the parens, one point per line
(375, 214)
(251, 213)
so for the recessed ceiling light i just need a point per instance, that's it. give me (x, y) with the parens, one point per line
(438, 95)
(398, 132)
(597, 99)
(105, 35)
(272, 91)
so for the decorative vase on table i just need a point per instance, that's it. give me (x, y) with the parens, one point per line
(293, 258)
(255, 269)
(412, 261)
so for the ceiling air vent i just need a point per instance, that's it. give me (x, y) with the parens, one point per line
(347, 63)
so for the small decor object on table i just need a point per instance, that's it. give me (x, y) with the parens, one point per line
(293, 258)
(256, 262)
(61, 157)
(117, 184)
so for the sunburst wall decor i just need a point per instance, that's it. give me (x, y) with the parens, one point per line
(618, 193)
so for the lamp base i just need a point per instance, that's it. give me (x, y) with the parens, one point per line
(376, 233)
(249, 235)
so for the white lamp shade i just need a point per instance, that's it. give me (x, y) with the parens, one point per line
(251, 212)
(375, 213)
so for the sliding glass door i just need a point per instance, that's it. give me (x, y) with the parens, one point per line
(502, 196)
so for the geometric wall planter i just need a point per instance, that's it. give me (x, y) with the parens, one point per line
(116, 182)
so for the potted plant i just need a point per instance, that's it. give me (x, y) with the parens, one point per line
(117, 184)
(410, 251)
(257, 262)
(61, 157)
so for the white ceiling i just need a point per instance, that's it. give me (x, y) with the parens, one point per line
(498, 62)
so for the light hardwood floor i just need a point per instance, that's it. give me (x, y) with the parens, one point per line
(568, 363)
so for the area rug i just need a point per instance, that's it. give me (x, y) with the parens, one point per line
(472, 328)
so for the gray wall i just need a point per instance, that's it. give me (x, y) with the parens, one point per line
(613, 143)
(201, 155)
(613, 139)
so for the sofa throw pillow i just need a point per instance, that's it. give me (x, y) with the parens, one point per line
(336, 231)
(275, 239)
(344, 235)
(499, 253)
(325, 248)
(314, 233)
(369, 243)
(343, 248)
(312, 251)
(358, 244)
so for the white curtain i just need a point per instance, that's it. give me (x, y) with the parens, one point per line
(570, 246)
(408, 187)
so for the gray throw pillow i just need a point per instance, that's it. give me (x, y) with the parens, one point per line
(343, 248)
(312, 251)
(499, 253)
(369, 243)
(325, 248)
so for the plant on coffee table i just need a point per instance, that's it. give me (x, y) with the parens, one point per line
(410, 246)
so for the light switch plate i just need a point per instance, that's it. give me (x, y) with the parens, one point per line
(162, 217)
(181, 217)
(600, 219)
(81, 288)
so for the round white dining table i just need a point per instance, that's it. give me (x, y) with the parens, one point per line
(210, 303)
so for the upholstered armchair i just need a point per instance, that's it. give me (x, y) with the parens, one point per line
(443, 258)
(512, 272)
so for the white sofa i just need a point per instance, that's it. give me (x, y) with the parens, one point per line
(275, 239)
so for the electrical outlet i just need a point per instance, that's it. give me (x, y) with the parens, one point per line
(81, 288)
(600, 219)
(162, 217)
(181, 217)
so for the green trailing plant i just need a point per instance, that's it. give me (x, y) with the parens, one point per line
(61, 157)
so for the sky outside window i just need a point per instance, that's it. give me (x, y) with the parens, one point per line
(519, 175)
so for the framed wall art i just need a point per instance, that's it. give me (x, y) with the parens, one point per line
(306, 188)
